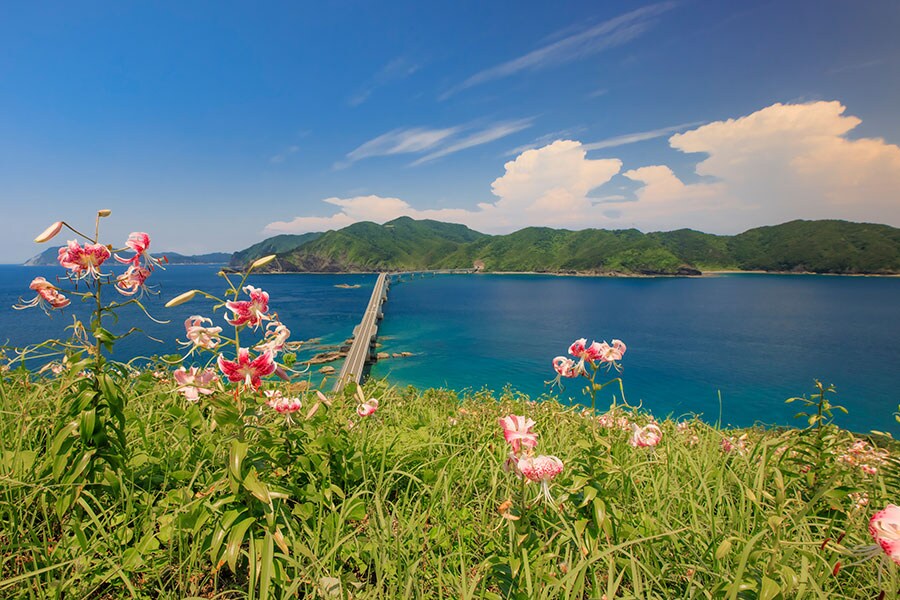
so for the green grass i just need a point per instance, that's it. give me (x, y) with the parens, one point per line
(405, 505)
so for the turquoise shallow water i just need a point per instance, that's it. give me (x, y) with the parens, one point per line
(754, 339)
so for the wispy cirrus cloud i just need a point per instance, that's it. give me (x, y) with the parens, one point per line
(282, 156)
(412, 140)
(432, 143)
(855, 66)
(494, 132)
(562, 134)
(395, 70)
(608, 34)
(632, 138)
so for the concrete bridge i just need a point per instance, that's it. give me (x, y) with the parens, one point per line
(362, 350)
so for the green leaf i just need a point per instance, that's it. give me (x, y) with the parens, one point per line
(235, 541)
(253, 485)
(80, 466)
(769, 589)
(724, 549)
(221, 531)
(88, 422)
(265, 569)
(236, 458)
(65, 434)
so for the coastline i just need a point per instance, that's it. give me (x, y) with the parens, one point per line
(703, 274)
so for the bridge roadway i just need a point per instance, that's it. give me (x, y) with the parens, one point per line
(363, 336)
(365, 333)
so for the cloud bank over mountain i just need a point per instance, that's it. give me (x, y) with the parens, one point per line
(783, 162)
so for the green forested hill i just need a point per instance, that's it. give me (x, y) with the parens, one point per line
(273, 245)
(797, 246)
(820, 247)
(399, 244)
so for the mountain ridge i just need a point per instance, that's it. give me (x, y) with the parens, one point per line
(822, 246)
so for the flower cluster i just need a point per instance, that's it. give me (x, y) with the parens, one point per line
(584, 356)
(609, 420)
(84, 263)
(246, 369)
(645, 437)
(863, 456)
(739, 444)
(283, 405)
(517, 431)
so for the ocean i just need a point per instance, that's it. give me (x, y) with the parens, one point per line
(729, 348)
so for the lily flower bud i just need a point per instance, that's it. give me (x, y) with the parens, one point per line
(181, 298)
(49, 233)
(261, 262)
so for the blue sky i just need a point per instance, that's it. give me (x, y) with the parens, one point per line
(213, 125)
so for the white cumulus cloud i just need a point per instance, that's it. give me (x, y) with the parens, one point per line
(786, 161)
(544, 186)
(783, 162)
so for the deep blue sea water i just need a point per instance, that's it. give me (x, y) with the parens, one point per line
(756, 339)
(753, 339)
(310, 305)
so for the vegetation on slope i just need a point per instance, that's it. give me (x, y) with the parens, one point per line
(413, 502)
(273, 245)
(814, 246)
(820, 247)
(403, 243)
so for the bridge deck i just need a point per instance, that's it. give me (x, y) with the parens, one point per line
(363, 336)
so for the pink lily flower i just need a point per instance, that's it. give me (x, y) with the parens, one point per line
(885, 528)
(646, 436)
(565, 367)
(276, 337)
(541, 469)
(132, 281)
(139, 242)
(249, 312)
(200, 336)
(517, 432)
(195, 382)
(48, 297)
(368, 407)
(581, 351)
(246, 370)
(83, 261)
(282, 405)
(612, 353)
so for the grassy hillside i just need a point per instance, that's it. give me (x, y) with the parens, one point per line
(815, 246)
(414, 502)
